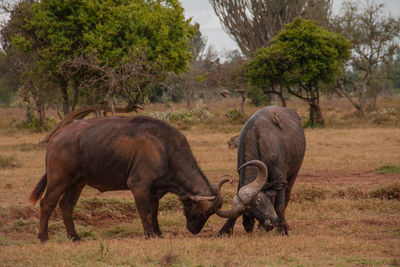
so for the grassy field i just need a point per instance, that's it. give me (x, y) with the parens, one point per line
(344, 210)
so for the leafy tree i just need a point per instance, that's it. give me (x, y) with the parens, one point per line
(267, 73)
(303, 58)
(21, 62)
(100, 50)
(374, 37)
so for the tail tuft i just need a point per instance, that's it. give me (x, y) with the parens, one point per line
(38, 190)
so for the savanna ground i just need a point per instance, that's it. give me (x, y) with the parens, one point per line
(344, 210)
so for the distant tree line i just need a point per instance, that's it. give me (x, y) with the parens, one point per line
(301, 59)
(73, 53)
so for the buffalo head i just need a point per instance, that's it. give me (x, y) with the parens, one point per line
(198, 209)
(256, 198)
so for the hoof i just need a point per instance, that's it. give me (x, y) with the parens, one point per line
(225, 233)
(76, 238)
(43, 239)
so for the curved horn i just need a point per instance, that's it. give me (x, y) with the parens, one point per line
(247, 192)
(236, 210)
(201, 198)
(221, 182)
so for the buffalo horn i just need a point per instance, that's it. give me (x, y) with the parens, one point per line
(221, 182)
(201, 198)
(246, 193)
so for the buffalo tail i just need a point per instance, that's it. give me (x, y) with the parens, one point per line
(38, 190)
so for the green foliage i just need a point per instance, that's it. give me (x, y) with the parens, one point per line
(88, 234)
(312, 54)
(104, 48)
(303, 54)
(234, 115)
(112, 29)
(8, 83)
(389, 169)
(6, 95)
(258, 97)
(34, 124)
(302, 58)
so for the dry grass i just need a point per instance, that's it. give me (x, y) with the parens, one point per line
(343, 212)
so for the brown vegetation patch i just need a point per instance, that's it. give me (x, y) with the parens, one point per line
(8, 162)
(23, 147)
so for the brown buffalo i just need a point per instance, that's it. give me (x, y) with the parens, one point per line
(141, 154)
(271, 142)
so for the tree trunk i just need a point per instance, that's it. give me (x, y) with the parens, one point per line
(340, 90)
(282, 100)
(76, 94)
(65, 97)
(241, 106)
(41, 117)
(282, 97)
(28, 113)
(316, 119)
(272, 99)
(362, 98)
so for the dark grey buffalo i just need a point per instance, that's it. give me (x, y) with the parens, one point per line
(141, 154)
(271, 142)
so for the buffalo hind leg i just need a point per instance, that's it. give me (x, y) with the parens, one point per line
(154, 214)
(283, 226)
(227, 229)
(67, 205)
(280, 207)
(47, 204)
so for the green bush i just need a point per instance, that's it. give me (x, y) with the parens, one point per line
(234, 115)
(34, 124)
(389, 169)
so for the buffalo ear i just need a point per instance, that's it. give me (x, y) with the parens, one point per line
(271, 193)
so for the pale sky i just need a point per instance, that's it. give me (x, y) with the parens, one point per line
(202, 12)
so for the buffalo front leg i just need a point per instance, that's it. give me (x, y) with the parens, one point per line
(227, 229)
(248, 223)
(144, 208)
(67, 205)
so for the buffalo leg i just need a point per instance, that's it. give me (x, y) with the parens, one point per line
(280, 207)
(280, 201)
(283, 226)
(144, 207)
(154, 214)
(47, 204)
(227, 229)
(67, 205)
(248, 223)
